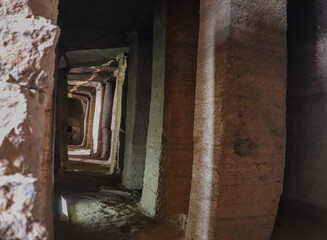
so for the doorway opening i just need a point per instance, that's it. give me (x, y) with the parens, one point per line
(75, 129)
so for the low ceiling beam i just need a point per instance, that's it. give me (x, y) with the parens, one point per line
(92, 57)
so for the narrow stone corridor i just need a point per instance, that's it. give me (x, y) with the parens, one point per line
(101, 209)
(163, 120)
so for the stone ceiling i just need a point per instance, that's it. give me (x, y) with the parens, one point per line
(89, 24)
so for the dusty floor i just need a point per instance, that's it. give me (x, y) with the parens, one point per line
(100, 209)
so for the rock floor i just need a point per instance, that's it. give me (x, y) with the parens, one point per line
(100, 209)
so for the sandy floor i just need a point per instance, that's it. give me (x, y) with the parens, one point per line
(101, 210)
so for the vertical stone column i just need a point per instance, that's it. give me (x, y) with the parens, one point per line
(90, 125)
(169, 156)
(61, 119)
(28, 35)
(117, 114)
(96, 132)
(86, 121)
(106, 119)
(239, 129)
(138, 108)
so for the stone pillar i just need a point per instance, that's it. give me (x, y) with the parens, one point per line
(90, 125)
(138, 108)
(169, 156)
(61, 155)
(239, 129)
(28, 37)
(86, 120)
(96, 132)
(117, 109)
(106, 119)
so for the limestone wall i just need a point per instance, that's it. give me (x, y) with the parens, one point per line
(169, 156)
(28, 38)
(138, 108)
(154, 137)
(240, 125)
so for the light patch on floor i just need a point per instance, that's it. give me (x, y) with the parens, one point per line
(107, 207)
(100, 210)
(79, 152)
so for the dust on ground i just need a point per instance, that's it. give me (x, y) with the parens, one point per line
(100, 209)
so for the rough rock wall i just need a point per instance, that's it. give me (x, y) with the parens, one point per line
(28, 36)
(106, 119)
(239, 129)
(154, 138)
(96, 131)
(169, 156)
(138, 108)
(306, 167)
(130, 110)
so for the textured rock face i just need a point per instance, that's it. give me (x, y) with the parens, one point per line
(17, 197)
(26, 44)
(138, 107)
(169, 156)
(28, 38)
(239, 130)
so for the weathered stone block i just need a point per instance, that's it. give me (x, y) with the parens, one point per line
(26, 56)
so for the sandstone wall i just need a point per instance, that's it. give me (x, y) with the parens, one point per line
(106, 119)
(61, 120)
(138, 108)
(28, 38)
(169, 157)
(239, 131)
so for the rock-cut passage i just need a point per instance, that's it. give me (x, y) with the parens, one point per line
(99, 209)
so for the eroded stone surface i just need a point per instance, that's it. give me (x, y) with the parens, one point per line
(21, 147)
(239, 127)
(45, 8)
(12, 109)
(16, 202)
(9, 7)
(28, 39)
(169, 153)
